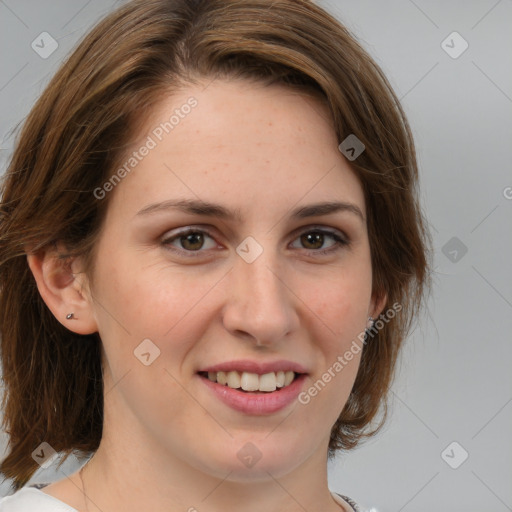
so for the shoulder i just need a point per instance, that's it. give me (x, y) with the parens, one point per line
(31, 499)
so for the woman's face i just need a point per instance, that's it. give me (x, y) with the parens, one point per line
(246, 267)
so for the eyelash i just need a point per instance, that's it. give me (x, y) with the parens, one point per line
(340, 241)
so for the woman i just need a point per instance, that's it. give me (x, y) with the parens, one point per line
(211, 253)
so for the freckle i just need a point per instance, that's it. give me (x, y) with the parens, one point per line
(270, 123)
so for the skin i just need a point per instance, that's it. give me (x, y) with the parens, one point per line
(168, 444)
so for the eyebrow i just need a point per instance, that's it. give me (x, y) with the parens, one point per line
(198, 207)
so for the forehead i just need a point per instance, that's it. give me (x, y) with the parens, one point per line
(238, 142)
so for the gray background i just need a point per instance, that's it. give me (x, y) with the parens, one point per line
(454, 383)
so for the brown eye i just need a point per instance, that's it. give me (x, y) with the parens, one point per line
(312, 240)
(192, 242)
(315, 241)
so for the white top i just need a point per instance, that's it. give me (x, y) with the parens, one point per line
(31, 499)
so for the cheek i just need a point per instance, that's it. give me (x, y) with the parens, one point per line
(341, 301)
(159, 302)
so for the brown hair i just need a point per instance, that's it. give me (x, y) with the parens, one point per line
(86, 118)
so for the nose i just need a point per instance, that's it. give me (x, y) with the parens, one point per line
(260, 306)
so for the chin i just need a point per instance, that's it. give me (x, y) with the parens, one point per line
(256, 458)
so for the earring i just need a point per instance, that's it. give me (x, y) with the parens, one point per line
(69, 316)
(370, 323)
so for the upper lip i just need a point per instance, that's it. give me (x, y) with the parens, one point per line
(246, 365)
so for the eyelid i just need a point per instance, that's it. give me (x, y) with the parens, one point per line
(321, 228)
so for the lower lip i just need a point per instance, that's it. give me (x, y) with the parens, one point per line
(257, 403)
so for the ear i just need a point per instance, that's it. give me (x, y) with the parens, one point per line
(377, 305)
(64, 288)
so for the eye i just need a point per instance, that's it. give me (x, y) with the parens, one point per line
(190, 240)
(315, 239)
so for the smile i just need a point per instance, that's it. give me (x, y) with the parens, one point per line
(247, 381)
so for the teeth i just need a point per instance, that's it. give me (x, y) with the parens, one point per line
(268, 382)
(249, 382)
(280, 379)
(252, 381)
(233, 380)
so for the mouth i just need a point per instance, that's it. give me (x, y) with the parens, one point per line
(252, 383)
(254, 394)
(254, 387)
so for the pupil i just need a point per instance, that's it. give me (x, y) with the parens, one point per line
(316, 239)
(192, 241)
